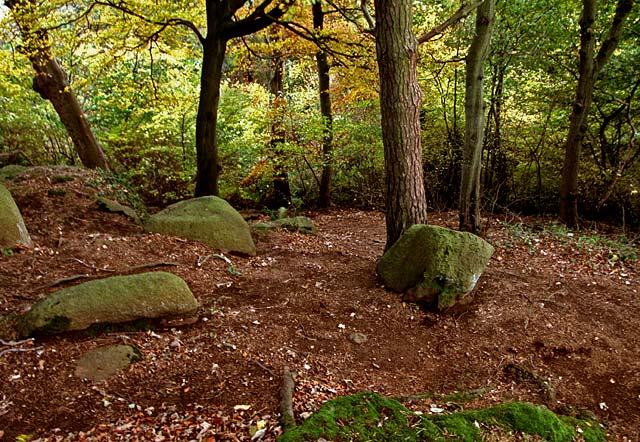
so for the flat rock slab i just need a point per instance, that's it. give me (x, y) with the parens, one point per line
(208, 219)
(434, 264)
(12, 228)
(113, 300)
(102, 363)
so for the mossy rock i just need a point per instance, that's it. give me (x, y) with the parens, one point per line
(371, 417)
(11, 171)
(300, 224)
(12, 228)
(114, 300)
(435, 264)
(113, 206)
(208, 219)
(101, 363)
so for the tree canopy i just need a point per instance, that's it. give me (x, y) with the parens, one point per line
(177, 95)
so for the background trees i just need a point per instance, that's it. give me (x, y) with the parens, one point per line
(138, 92)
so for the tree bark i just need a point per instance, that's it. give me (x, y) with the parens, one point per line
(52, 83)
(324, 82)
(222, 26)
(213, 52)
(400, 102)
(281, 193)
(474, 119)
(588, 69)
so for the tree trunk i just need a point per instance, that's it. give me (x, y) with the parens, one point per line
(400, 102)
(588, 69)
(213, 52)
(281, 193)
(474, 119)
(324, 197)
(52, 83)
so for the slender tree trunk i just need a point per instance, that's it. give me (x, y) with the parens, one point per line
(281, 194)
(474, 119)
(324, 197)
(588, 69)
(400, 102)
(52, 83)
(213, 52)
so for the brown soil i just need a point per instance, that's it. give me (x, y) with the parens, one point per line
(555, 321)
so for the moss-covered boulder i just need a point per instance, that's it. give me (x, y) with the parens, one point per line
(11, 171)
(371, 417)
(101, 363)
(12, 229)
(300, 224)
(208, 219)
(113, 300)
(435, 264)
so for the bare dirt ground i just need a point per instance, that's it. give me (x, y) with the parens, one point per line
(555, 321)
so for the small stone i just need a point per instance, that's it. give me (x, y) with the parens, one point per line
(358, 338)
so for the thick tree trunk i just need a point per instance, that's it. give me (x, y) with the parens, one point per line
(213, 52)
(324, 197)
(400, 102)
(589, 67)
(52, 83)
(474, 119)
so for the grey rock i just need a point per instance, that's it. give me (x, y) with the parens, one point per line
(101, 363)
(358, 338)
(12, 228)
(208, 219)
(118, 299)
(300, 224)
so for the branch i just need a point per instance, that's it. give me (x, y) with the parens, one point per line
(287, 389)
(256, 21)
(461, 13)
(608, 47)
(367, 15)
(163, 24)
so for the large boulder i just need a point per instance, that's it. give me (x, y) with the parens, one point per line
(434, 264)
(111, 300)
(208, 219)
(12, 229)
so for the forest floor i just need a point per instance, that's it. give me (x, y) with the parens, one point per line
(555, 320)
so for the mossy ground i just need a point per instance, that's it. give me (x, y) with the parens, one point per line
(368, 416)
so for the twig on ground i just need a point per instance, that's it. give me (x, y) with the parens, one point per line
(92, 267)
(264, 367)
(14, 343)
(85, 276)
(202, 259)
(15, 350)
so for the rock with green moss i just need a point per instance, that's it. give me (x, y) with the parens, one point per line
(113, 206)
(12, 228)
(101, 363)
(114, 300)
(434, 264)
(300, 224)
(11, 171)
(208, 219)
(370, 417)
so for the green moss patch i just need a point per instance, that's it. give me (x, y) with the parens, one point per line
(371, 417)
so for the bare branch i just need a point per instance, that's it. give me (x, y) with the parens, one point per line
(163, 24)
(364, 7)
(462, 12)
